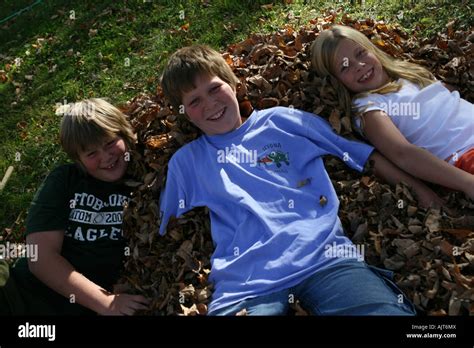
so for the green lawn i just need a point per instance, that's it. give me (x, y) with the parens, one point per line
(62, 51)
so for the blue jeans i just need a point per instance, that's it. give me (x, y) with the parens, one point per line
(350, 287)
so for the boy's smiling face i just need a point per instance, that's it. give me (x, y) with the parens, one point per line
(105, 161)
(212, 106)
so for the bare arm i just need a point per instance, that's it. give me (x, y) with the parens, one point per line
(58, 274)
(390, 173)
(385, 136)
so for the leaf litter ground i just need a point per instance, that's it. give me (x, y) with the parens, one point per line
(430, 251)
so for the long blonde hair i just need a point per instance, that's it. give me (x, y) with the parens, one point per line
(323, 53)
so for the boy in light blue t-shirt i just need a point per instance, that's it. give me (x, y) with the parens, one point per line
(273, 209)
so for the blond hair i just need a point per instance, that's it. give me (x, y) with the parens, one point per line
(86, 123)
(186, 64)
(323, 53)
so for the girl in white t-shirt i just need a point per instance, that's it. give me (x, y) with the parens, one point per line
(409, 116)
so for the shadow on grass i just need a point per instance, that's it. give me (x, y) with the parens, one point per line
(68, 66)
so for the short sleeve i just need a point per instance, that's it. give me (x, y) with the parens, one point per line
(353, 153)
(370, 103)
(49, 208)
(173, 199)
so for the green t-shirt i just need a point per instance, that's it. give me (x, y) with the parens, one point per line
(90, 213)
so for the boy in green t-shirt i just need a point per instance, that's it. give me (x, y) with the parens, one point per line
(75, 246)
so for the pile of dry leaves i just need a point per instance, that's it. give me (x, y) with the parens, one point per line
(431, 252)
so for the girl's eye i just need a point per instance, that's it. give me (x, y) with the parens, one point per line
(110, 143)
(361, 53)
(91, 154)
(194, 102)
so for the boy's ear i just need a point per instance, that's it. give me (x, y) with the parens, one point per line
(181, 111)
(245, 108)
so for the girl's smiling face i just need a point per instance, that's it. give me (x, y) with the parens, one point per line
(105, 161)
(357, 68)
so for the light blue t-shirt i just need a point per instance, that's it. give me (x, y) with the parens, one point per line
(273, 208)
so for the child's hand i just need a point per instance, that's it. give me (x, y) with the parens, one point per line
(427, 198)
(469, 191)
(125, 304)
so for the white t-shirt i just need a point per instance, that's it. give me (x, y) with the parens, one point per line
(432, 118)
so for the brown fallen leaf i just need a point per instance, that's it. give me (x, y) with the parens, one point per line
(275, 69)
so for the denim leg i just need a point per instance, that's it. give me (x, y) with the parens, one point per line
(272, 304)
(352, 287)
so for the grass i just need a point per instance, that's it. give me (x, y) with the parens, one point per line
(69, 50)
